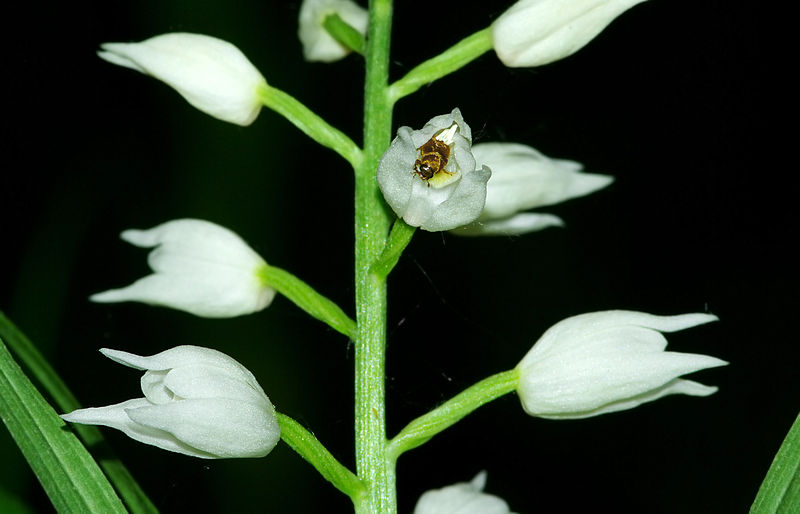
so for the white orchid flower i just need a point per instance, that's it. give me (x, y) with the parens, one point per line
(608, 361)
(197, 401)
(524, 178)
(462, 498)
(199, 267)
(537, 32)
(211, 74)
(428, 176)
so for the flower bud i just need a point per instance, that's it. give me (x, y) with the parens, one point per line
(199, 267)
(537, 32)
(318, 45)
(198, 402)
(211, 74)
(608, 361)
(523, 178)
(462, 498)
(428, 176)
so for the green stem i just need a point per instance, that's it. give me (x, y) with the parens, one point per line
(344, 33)
(310, 124)
(307, 446)
(305, 297)
(135, 499)
(371, 227)
(455, 57)
(420, 430)
(399, 238)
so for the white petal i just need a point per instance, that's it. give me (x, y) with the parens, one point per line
(115, 416)
(318, 45)
(220, 427)
(523, 178)
(569, 384)
(576, 330)
(677, 386)
(219, 293)
(461, 498)
(537, 32)
(518, 224)
(211, 74)
(197, 381)
(199, 239)
(184, 355)
(463, 206)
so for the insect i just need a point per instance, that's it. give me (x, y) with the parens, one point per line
(434, 154)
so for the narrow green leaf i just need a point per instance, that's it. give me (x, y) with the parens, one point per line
(69, 475)
(135, 499)
(780, 490)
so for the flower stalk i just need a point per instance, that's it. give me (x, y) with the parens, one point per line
(310, 123)
(372, 223)
(305, 297)
(399, 238)
(452, 59)
(422, 429)
(344, 33)
(307, 446)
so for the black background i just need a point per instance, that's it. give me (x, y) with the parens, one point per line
(674, 99)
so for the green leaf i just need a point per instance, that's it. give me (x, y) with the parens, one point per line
(69, 475)
(135, 499)
(780, 491)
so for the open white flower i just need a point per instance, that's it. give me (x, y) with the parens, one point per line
(462, 498)
(608, 361)
(537, 32)
(318, 45)
(211, 74)
(198, 402)
(428, 176)
(199, 267)
(524, 178)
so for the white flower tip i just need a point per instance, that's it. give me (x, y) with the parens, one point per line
(70, 416)
(140, 238)
(592, 182)
(516, 225)
(691, 388)
(479, 482)
(108, 54)
(682, 321)
(110, 296)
